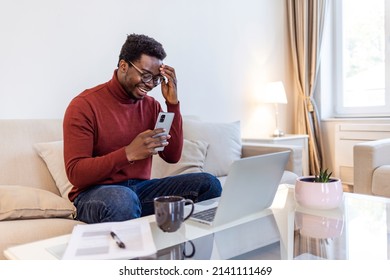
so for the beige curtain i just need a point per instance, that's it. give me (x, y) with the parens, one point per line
(306, 21)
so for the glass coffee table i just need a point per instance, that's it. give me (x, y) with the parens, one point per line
(359, 229)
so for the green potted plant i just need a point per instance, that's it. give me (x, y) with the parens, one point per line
(320, 191)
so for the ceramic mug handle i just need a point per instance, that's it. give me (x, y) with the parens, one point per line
(192, 208)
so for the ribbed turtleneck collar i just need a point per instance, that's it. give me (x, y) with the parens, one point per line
(118, 92)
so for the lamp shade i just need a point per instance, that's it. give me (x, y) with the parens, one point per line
(274, 93)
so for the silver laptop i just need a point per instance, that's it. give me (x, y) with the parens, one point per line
(250, 187)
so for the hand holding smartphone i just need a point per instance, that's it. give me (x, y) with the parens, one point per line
(164, 120)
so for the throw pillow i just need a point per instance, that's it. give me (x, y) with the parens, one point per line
(191, 161)
(20, 202)
(224, 141)
(53, 155)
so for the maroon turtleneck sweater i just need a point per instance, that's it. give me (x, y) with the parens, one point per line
(99, 123)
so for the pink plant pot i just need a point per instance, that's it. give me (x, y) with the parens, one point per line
(318, 195)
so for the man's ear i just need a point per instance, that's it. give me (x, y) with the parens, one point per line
(123, 65)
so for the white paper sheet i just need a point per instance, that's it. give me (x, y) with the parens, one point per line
(94, 241)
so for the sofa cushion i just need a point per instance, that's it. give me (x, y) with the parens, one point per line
(191, 161)
(20, 164)
(53, 155)
(21, 202)
(224, 141)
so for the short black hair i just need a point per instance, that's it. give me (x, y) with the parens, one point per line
(138, 44)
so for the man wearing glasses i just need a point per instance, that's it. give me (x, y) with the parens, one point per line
(109, 143)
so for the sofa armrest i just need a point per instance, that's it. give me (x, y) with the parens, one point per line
(294, 163)
(368, 156)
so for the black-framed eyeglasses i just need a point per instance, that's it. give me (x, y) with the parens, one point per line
(147, 77)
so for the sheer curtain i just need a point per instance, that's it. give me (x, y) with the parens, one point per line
(305, 27)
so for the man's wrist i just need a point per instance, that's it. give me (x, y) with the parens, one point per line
(172, 104)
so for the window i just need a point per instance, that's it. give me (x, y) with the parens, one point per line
(362, 64)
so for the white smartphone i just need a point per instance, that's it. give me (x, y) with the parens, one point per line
(164, 120)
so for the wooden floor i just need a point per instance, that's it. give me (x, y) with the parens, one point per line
(347, 188)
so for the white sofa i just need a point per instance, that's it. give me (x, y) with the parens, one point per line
(33, 184)
(371, 161)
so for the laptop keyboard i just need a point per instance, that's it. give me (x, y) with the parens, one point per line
(206, 215)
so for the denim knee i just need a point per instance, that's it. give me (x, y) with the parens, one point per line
(108, 203)
(126, 207)
(211, 187)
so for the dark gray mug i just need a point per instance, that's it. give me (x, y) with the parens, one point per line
(169, 212)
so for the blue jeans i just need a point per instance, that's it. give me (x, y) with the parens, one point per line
(134, 198)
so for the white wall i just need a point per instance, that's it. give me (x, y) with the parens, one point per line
(223, 52)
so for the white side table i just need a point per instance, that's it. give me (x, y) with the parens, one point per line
(300, 140)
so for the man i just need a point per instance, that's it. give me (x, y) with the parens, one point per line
(109, 143)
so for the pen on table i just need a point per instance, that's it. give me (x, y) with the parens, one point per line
(117, 240)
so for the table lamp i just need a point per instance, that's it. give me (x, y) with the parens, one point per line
(275, 93)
